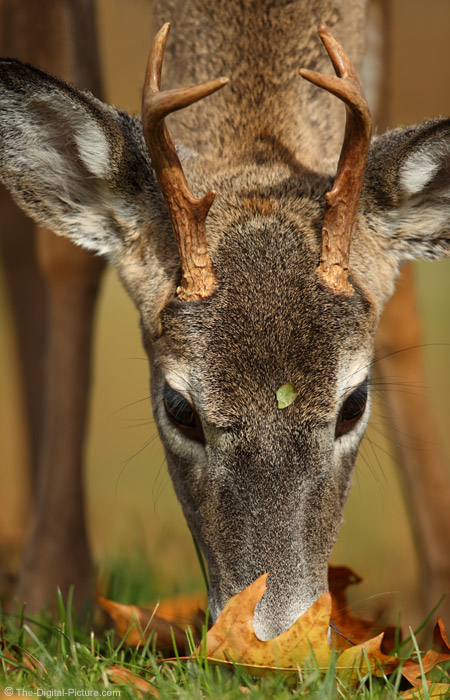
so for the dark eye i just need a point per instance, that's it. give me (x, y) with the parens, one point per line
(182, 415)
(352, 410)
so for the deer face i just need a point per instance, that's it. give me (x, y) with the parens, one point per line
(263, 488)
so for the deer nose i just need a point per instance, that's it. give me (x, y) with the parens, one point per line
(284, 601)
(275, 613)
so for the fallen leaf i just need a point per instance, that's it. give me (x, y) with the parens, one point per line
(351, 629)
(435, 690)
(411, 669)
(232, 641)
(16, 657)
(440, 638)
(183, 610)
(119, 674)
(188, 611)
(232, 638)
(137, 624)
(354, 663)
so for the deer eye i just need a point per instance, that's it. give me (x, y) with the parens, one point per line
(182, 415)
(352, 410)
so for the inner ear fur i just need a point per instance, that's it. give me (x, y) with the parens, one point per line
(73, 164)
(406, 194)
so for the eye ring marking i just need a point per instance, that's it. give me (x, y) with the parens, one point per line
(182, 415)
(352, 410)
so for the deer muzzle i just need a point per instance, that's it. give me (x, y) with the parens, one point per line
(279, 519)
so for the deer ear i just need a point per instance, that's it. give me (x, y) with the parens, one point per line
(74, 164)
(407, 190)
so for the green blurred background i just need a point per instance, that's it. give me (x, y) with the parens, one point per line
(131, 504)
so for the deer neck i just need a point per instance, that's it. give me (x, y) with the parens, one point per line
(267, 113)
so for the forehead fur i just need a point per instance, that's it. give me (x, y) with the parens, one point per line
(270, 321)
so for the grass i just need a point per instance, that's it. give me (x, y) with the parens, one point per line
(63, 657)
(69, 659)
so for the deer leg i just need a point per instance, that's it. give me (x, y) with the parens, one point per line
(423, 468)
(57, 551)
(25, 290)
(26, 294)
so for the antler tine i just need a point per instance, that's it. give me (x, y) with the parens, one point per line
(342, 200)
(188, 214)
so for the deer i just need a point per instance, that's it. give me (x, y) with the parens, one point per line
(260, 240)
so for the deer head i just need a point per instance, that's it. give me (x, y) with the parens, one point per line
(239, 296)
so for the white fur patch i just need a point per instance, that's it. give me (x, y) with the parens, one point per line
(59, 193)
(94, 149)
(420, 167)
(353, 375)
(417, 172)
(178, 380)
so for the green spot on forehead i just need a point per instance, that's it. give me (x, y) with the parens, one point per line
(286, 395)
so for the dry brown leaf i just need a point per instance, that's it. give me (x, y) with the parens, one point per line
(350, 628)
(16, 657)
(183, 610)
(411, 669)
(118, 674)
(440, 637)
(435, 690)
(188, 611)
(137, 624)
(232, 638)
(353, 663)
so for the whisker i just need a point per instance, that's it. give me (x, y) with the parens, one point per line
(129, 405)
(137, 424)
(380, 469)
(382, 449)
(422, 446)
(146, 444)
(411, 347)
(159, 485)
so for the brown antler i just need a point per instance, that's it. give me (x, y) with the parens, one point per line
(342, 201)
(188, 214)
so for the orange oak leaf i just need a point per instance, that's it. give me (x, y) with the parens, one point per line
(439, 654)
(137, 624)
(119, 674)
(351, 629)
(183, 610)
(14, 656)
(435, 690)
(353, 663)
(232, 639)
